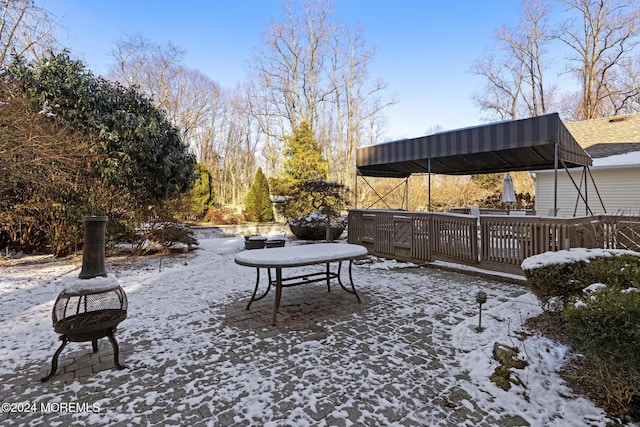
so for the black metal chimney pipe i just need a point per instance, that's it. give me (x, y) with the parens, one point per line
(93, 248)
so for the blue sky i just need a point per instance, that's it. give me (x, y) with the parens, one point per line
(424, 48)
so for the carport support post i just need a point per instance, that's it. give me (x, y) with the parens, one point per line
(586, 192)
(355, 202)
(429, 171)
(406, 193)
(555, 181)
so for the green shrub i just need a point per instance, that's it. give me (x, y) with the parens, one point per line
(563, 274)
(606, 322)
(600, 293)
(605, 325)
(223, 216)
(168, 234)
(557, 280)
(257, 203)
(194, 204)
(161, 236)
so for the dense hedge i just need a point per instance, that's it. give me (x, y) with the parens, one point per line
(559, 276)
(600, 295)
(606, 321)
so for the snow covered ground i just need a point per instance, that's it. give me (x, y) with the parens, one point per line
(408, 355)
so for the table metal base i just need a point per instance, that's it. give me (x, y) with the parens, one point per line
(285, 282)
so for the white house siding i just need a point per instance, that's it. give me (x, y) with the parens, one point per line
(619, 188)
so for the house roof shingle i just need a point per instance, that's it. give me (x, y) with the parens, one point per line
(605, 149)
(607, 136)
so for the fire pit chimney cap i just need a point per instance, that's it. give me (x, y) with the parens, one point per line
(94, 285)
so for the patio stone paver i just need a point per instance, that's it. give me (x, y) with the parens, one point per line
(329, 361)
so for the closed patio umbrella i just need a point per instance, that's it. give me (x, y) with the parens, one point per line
(508, 191)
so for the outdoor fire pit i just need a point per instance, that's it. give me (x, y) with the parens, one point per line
(92, 306)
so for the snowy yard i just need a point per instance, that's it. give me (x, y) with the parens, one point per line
(408, 355)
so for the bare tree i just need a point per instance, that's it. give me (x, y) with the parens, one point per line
(356, 103)
(314, 69)
(194, 98)
(189, 97)
(502, 89)
(603, 36)
(238, 148)
(228, 145)
(25, 29)
(267, 122)
(149, 66)
(514, 74)
(529, 48)
(625, 99)
(290, 65)
(216, 123)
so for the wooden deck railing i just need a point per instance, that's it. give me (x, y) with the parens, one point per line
(494, 242)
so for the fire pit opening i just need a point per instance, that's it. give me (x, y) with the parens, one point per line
(81, 313)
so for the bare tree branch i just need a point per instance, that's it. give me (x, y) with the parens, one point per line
(602, 36)
(514, 72)
(25, 30)
(312, 68)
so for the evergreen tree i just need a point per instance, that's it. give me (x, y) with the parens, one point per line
(198, 200)
(202, 191)
(112, 153)
(257, 203)
(314, 196)
(142, 153)
(304, 160)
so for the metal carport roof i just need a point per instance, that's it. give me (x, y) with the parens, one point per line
(517, 145)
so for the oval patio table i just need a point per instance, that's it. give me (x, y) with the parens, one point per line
(300, 256)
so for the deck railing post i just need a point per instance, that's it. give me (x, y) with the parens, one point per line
(496, 242)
